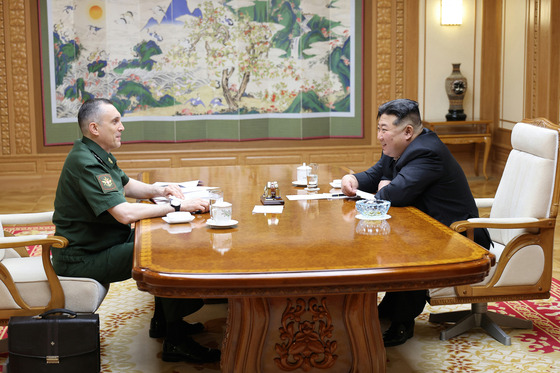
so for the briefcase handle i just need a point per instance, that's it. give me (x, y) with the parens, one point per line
(70, 314)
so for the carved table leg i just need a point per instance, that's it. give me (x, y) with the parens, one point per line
(318, 333)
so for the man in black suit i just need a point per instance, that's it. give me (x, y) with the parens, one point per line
(415, 169)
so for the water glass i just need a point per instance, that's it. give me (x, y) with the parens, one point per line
(216, 195)
(313, 176)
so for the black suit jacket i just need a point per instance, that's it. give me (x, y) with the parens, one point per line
(427, 177)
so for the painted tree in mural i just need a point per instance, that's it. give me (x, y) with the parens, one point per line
(224, 54)
(189, 62)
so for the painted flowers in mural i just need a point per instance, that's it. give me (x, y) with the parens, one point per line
(198, 58)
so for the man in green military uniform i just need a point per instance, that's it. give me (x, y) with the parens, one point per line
(92, 212)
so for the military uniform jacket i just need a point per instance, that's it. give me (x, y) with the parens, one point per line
(90, 183)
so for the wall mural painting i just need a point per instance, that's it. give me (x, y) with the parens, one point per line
(199, 70)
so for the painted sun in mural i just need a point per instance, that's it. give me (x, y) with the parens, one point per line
(95, 12)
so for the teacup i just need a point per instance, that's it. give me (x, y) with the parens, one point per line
(302, 172)
(221, 212)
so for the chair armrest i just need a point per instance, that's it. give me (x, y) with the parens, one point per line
(46, 242)
(484, 202)
(27, 218)
(21, 250)
(502, 223)
(38, 239)
(20, 240)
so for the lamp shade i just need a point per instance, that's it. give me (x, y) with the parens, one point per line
(451, 12)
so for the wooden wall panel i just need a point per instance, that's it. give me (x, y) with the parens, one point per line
(4, 116)
(543, 58)
(23, 167)
(209, 161)
(390, 71)
(542, 79)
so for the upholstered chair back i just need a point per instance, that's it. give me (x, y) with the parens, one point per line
(527, 183)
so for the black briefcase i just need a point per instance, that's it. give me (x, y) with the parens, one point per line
(58, 340)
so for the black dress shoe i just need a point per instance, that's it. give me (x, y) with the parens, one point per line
(398, 333)
(158, 328)
(190, 351)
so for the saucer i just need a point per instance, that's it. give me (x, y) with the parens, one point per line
(335, 185)
(380, 217)
(227, 224)
(180, 219)
(299, 183)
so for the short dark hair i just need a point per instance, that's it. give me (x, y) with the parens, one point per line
(404, 109)
(89, 111)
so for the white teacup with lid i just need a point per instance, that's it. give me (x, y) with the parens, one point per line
(302, 172)
(221, 212)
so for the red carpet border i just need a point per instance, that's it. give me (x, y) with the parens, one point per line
(545, 314)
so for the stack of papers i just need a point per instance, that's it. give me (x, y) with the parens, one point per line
(193, 184)
(190, 189)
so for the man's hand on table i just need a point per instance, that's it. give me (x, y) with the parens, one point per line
(195, 205)
(349, 185)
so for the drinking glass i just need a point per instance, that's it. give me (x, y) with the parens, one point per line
(313, 176)
(216, 195)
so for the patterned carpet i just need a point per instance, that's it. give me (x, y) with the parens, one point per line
(126, 347)
(536, 350)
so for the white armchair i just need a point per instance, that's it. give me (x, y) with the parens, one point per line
(29, 285)
(521, 226)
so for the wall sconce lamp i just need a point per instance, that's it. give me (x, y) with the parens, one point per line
(451, 12)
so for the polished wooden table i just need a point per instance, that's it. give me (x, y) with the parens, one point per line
(302, 285)
(466, 132)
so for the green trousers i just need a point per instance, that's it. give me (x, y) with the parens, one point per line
(115, 264)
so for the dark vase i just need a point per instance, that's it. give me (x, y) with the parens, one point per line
(456, 87)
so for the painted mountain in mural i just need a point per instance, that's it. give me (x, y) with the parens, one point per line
(307, 102)
(175, 10)
(151, 22)
(179, 8)
(196, 61)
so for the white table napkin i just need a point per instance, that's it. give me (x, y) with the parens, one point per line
(268, 209)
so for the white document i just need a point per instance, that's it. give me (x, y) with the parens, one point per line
(183, 185)
(190, 190)
(365, 195)
(303, 197)
(268, 209)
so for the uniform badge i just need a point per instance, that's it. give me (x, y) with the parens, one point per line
(106, 182)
